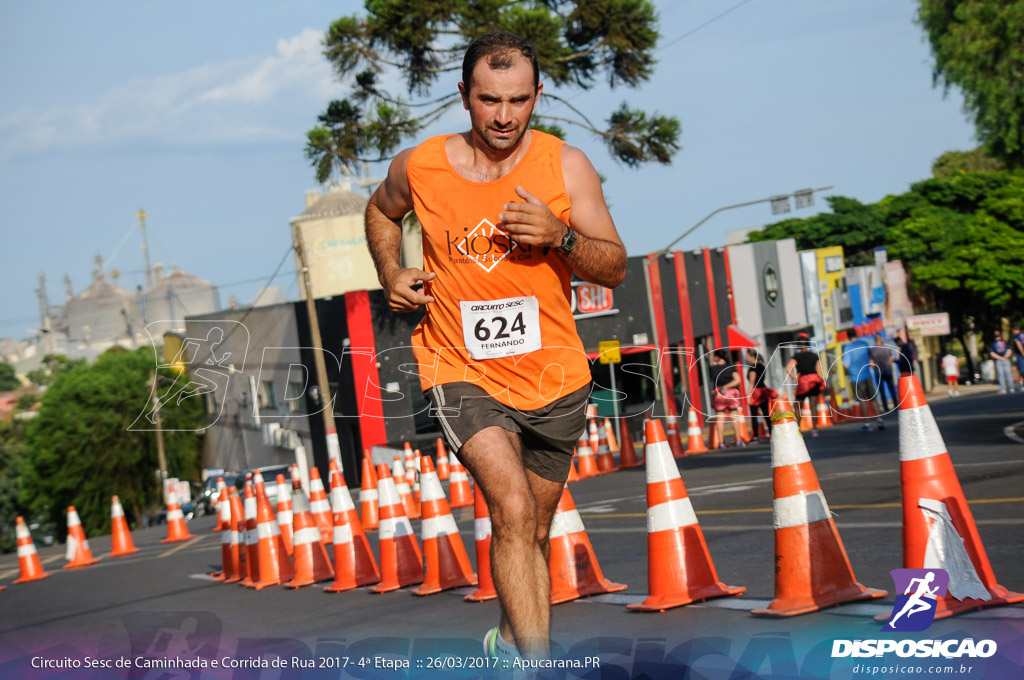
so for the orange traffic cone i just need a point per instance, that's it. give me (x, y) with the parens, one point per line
(573, 566)
(319, 506)
(482, 533)
(274, 565)
(822, 415)
(401, 562)
(367, 498)
(231, 548)
(458, 485)
(354, 565)
(781, 404)
(812, 570)
(573, 476)
(679, 566)
(285, 512)
(223, 508)
(694, 435)
(714, 441)
(588, 466)
(605, 458)
(744, 434)
(609, 432)
(443, 470)
(311, 563)
(938, 527)
(177, 529)
(401, 480)
(672, 434)
(413, 477)
(806, 420)
(28, 558)
(627, 454)
(78, 553)
(221, 494)
(251, 538)
(445, 560)
(121, 542)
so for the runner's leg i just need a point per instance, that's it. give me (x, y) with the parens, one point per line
(493, 457)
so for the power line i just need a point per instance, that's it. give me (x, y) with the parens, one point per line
(705, 24)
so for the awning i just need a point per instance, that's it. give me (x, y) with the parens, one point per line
(738, 339)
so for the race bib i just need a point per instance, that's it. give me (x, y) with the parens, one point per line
(501, 328)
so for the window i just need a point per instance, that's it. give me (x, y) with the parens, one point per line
(268, 395)
(295, 395)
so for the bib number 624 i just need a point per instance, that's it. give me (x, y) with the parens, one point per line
(498, 328)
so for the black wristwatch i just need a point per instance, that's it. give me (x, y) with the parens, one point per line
(568, 241)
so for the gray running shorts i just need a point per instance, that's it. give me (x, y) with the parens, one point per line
(864, 390)
(549, 434)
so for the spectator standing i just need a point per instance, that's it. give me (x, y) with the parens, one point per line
(760, 394)
(1000, 352)
(951, 368)
(1017, 340)
(881, 357)
(857, 360)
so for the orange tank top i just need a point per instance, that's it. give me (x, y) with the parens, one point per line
(501, 317)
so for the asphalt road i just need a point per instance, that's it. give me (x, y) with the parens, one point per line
(160, 601)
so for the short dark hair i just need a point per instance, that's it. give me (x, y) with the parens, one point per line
(497, 46)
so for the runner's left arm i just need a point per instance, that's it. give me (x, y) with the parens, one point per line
(599, 255)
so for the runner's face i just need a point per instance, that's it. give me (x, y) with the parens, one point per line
(500, 102)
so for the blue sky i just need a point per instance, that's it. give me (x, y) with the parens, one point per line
(197, 112)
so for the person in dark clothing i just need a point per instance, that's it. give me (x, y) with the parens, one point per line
(805, 368)
(760, 394)
(881, 359)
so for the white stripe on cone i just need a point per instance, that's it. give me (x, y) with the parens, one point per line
(307, 535)
(342, 534)
(565, 524)
(788, 446)
(801, 510)
(438, 526)
(341, 499)
(285, 517)
(919, 434)
(367, 495)
(671, 515)
(26, 550)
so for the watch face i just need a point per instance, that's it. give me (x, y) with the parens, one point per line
(569, 241)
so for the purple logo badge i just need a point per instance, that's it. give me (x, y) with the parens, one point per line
(915, 608)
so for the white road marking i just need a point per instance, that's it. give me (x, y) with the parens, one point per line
(1011, 434)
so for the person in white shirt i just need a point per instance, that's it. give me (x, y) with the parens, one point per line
(951, 367)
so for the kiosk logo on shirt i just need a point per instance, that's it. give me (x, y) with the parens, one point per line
(486, 245)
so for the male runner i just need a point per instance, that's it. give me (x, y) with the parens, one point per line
(508, 214)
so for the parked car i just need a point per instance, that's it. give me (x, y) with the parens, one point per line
(208, 497)
(270, 473)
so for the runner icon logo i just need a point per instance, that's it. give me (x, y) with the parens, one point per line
(915, 608)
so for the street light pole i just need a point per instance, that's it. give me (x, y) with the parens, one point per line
(785, 197)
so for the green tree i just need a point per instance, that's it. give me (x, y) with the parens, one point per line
(859, 228)
(579, 43)
(960, 162)
(963, 245)
(960, 237)
(978, 46)
(80, 450)
(27, 401)
(52, 366)
(8, 379)
(12, 452)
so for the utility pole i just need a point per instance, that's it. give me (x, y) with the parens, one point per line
(141, 217)
(161, 457)
(333, 445)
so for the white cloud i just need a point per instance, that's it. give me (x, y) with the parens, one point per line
(247, 100)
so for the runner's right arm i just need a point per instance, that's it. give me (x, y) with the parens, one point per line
(390, 203)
